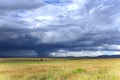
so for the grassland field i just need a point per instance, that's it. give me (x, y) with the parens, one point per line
(59, 69)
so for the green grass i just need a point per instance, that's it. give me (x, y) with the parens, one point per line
(79, 70)
(59, 69)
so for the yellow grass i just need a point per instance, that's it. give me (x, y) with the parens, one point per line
(59, 69)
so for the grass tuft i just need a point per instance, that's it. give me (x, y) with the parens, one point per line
(79, 70)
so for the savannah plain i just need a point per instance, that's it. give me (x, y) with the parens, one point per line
(59, 69)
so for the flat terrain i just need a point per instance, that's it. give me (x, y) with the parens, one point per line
(59, 69)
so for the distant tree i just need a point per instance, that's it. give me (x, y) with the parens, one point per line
(41, 59)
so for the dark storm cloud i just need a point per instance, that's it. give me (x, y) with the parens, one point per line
(81, 25)
(18, 53)
(20, 39)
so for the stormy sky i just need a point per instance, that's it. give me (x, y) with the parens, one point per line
(50, 28)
